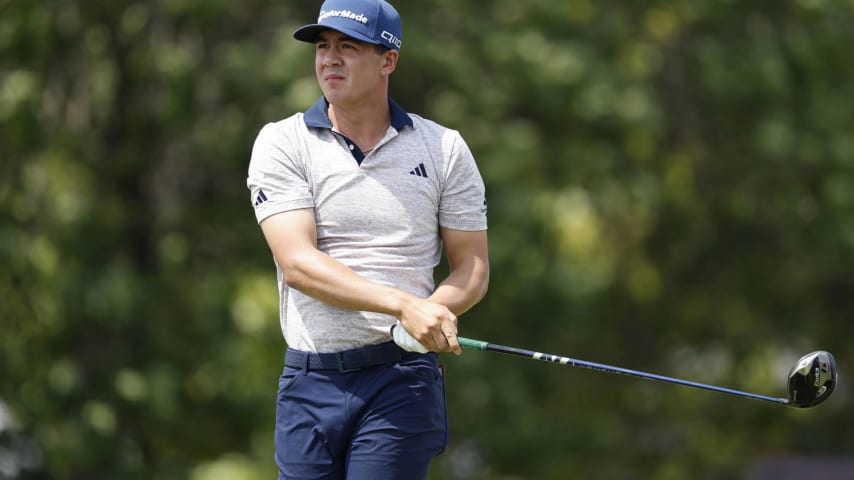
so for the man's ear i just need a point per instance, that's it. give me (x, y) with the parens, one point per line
(390, 61)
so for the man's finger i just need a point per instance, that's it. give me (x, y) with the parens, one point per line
(451, 337)
(440, 342)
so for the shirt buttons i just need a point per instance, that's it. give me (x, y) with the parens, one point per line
(352, 147)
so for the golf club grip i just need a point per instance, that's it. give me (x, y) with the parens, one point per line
(470, 344)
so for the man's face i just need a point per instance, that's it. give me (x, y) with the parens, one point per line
(347, 70)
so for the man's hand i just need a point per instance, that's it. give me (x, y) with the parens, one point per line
(431, 324)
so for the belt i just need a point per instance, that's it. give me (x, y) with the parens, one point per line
(346, 361)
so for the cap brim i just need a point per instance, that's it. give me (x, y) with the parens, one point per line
(309, 33)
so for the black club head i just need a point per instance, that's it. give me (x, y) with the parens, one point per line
(812, 379)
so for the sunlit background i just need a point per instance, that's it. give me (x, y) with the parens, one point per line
(670, 186)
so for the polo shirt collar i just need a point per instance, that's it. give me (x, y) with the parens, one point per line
(318, 116)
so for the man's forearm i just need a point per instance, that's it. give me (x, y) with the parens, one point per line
(464, 287)
(320, 276)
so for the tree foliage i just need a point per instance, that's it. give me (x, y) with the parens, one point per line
(670, 185)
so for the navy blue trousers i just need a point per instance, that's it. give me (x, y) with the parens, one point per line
(380, 422)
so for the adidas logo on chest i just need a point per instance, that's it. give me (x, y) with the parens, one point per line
(419, 171)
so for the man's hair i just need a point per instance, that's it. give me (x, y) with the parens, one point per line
(380, 49)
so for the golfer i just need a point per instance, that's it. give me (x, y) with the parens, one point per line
(357, 200)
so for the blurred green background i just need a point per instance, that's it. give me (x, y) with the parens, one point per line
(671, 189)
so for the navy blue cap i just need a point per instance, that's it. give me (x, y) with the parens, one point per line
(372, 21)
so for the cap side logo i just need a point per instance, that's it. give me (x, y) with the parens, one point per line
(390, 38)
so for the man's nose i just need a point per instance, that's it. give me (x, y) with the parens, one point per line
(331, 58)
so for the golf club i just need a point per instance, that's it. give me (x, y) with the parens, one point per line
(811, 380)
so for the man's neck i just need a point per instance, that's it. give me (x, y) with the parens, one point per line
(365, 124)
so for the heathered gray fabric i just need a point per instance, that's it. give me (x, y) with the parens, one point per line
(379, 218)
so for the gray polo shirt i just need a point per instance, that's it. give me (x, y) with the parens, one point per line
(378, 214)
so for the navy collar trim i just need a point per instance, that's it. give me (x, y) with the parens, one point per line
(318, 116)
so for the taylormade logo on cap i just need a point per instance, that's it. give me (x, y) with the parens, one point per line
(344, 14)
(371, 21)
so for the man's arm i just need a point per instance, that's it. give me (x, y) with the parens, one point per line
(292, 237)
(468, 261)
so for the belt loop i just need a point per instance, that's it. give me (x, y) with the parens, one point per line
(306, 359)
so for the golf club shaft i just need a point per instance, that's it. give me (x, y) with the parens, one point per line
(471, 344)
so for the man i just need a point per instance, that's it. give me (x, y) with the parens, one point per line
(356, 199)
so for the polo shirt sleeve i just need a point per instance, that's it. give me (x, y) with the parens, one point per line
(277, 180)
(463, 202)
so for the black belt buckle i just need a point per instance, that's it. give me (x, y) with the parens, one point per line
(340, 362)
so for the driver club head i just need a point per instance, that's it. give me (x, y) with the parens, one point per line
(812, 379)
